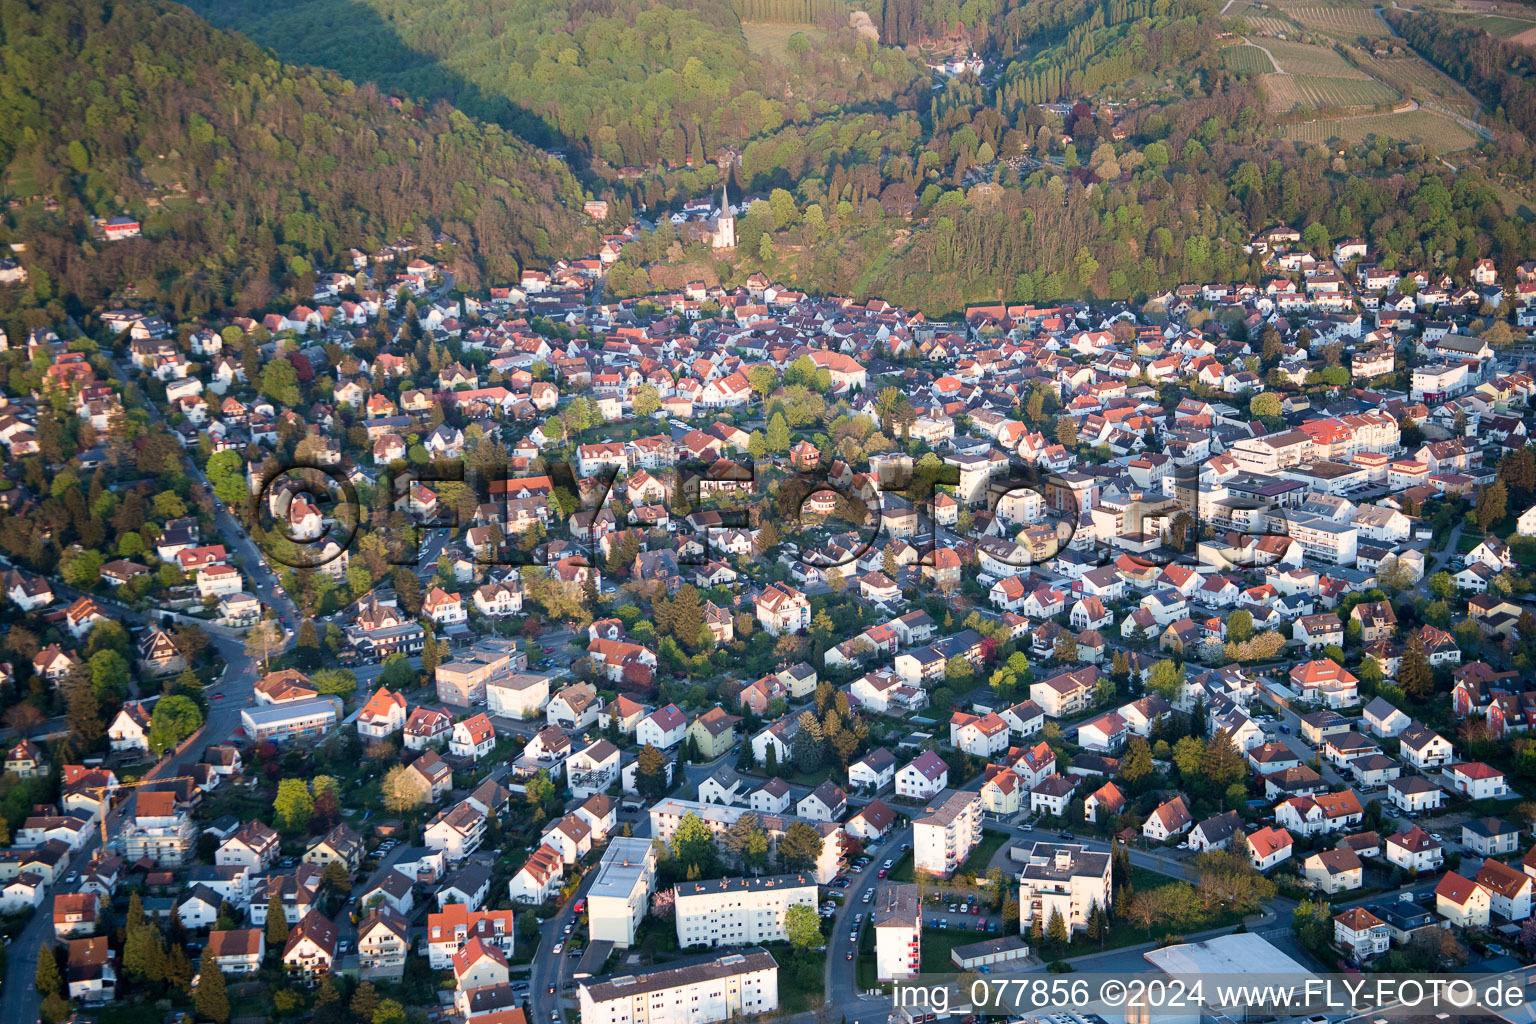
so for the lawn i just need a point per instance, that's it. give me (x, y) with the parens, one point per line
(901, 871)
(772, 38)
(937, 942)
(981, 856)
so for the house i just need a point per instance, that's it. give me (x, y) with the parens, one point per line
(574, 707)
(1490, 837)
(130, 728)
(383, 715)
(782, 609)
(255, 846)
(382, 944)
(1106, 800)
(1105, 734)
(340, 845)
(1424, 748)
(982, 736)
(1333, 871)
(1478, 781)
(1066, 693)
(713, 732)
(1462, 902)
(873, 772)
(426, 727)
(538, 879)
(1215, 833)
(456, 832)
(1362, 933)
(827, 802)
(238, 950)
(74, 914)
(473, 738)
(1509, 891)
(1170, 819)
(311, 947)
(1326, 682)
(1414, 850)
(1414, 794)
(1382, 718)
(26, 760)
(923, 778)
(1269, 846)
(663, 728)
(91, 973)
(1052, 794)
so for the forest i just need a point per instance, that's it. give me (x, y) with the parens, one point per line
(620, 82)
(251, 174)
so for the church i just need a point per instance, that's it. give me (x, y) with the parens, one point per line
(722, 230)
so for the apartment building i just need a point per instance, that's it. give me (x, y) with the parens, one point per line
(1063, 878)
(739, 911)
(292, 720)
(898, 923)
(462, 682)
(621, 893)
(158, 831)
(945, 836)
(740, 985)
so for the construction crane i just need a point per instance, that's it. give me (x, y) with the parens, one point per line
(103, 791)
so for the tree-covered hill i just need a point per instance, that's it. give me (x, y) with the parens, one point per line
(627, 82)
(246, 172)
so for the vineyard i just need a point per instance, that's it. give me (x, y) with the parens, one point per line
(1318, 92)
(1424, 81)
(1341, 22)
(1248, 60)
(1440, 134)
(1306, 59)
(1270, 25)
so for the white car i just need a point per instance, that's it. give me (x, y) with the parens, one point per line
(558, 947)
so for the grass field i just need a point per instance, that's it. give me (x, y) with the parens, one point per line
(1247, 60)
(1440, 134)
(1306, 59)
(1289, 92)
(1341, 22)
(1422, 79)
(1504, 28)
(772, 39)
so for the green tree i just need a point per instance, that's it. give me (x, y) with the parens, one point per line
(277, 924)
(293, 805)
(1056, 931)
(1492, 505)
(803, 926)
(1166, 678)
(48, 980)
(799, 847)
(1265, 405)
(174, 719)
(777, 437)
(1137, 764)
(1414, 674)
(1239, 625)
(211, 1000)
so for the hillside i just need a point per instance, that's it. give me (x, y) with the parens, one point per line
(247, 173)
(625, 82)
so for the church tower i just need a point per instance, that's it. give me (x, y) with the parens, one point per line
(725, 225)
